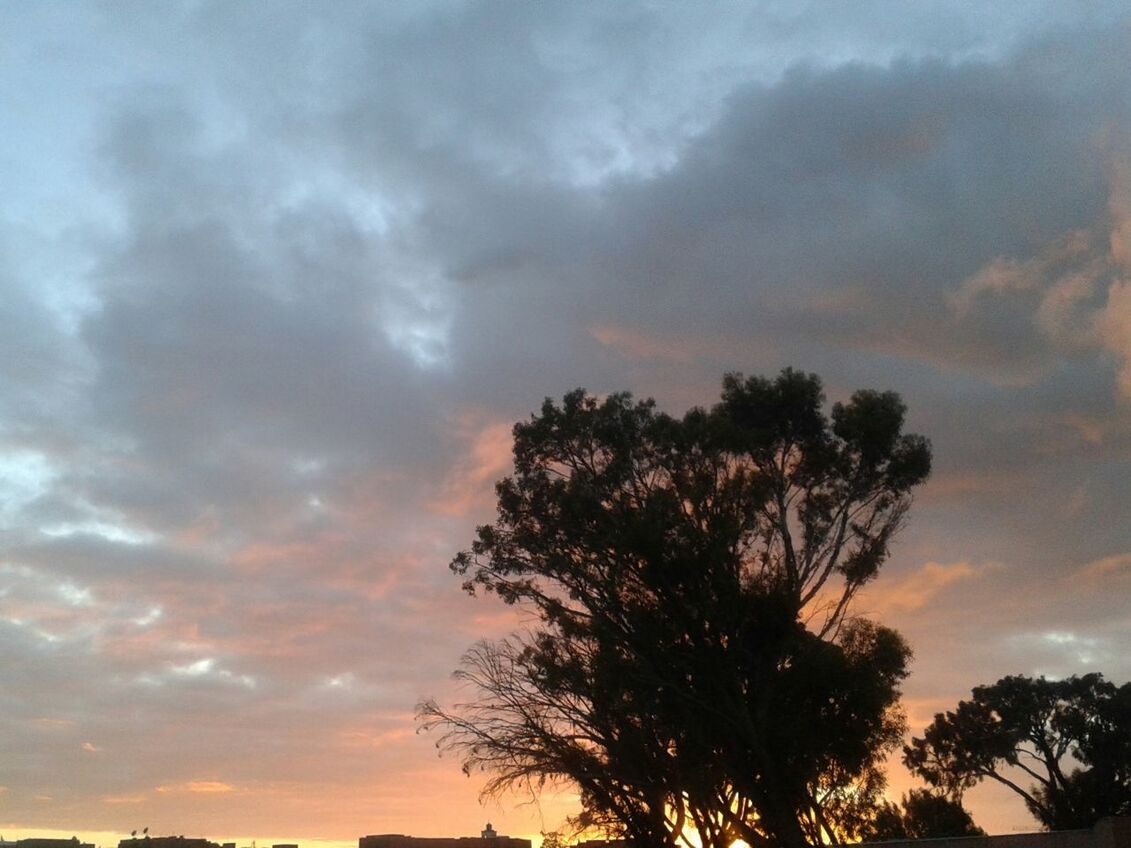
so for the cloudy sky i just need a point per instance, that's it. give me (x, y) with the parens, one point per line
(276, 279)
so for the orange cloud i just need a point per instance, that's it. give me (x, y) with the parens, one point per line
(1064, 274)
(922, 711)
(914, 591)
(1120, 206)
(633, 344)
(208, 786)
(198, 787)
(1114, 323)
(1118, 565)
(1092, 430)
(1063, 280)
(53, 723)
(367, 739)
(123, 799)
(90, 748)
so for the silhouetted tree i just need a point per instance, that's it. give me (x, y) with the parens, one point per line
(693, 663)
(1071, 737)
(922, 814)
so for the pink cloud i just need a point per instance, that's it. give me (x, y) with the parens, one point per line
(1115, 326)
(960, 485)
(664, 347)
(53, 724)
(487, 458)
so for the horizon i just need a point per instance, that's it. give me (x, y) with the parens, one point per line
(110, 839)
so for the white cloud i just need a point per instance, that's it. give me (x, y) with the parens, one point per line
(204, 669)
(110, 532)
(1060, 653)
(24, 476)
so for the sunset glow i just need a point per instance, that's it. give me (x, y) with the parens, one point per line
(276, 281)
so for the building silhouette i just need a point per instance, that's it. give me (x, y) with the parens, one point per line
(41, 842)
(164, 842)
(487, 838)
(1110, 832)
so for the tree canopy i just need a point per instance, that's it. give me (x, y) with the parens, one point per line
(1069, 740)
(693, 662)
(922, 814)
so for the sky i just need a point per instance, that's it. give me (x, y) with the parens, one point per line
(276, 280)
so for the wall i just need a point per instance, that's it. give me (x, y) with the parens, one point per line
(1108, 833)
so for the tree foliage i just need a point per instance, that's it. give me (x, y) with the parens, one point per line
(1071, 738)
(922, 814)
(694, 664)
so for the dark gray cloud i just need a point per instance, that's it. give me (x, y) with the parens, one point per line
(275, 285)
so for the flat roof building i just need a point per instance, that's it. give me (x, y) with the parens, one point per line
(488, 838)
(42, 842)
(165, 842)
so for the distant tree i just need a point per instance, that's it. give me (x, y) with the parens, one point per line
(886, 824)
(922, 814)
(554, 839)
(1071, 738)
(692, 662)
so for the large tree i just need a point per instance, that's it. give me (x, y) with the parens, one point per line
(1064, 746)
(693, 663)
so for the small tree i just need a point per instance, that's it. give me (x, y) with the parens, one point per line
(921, 815)
(694, 664)
(554, 839)
(1071, 738)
